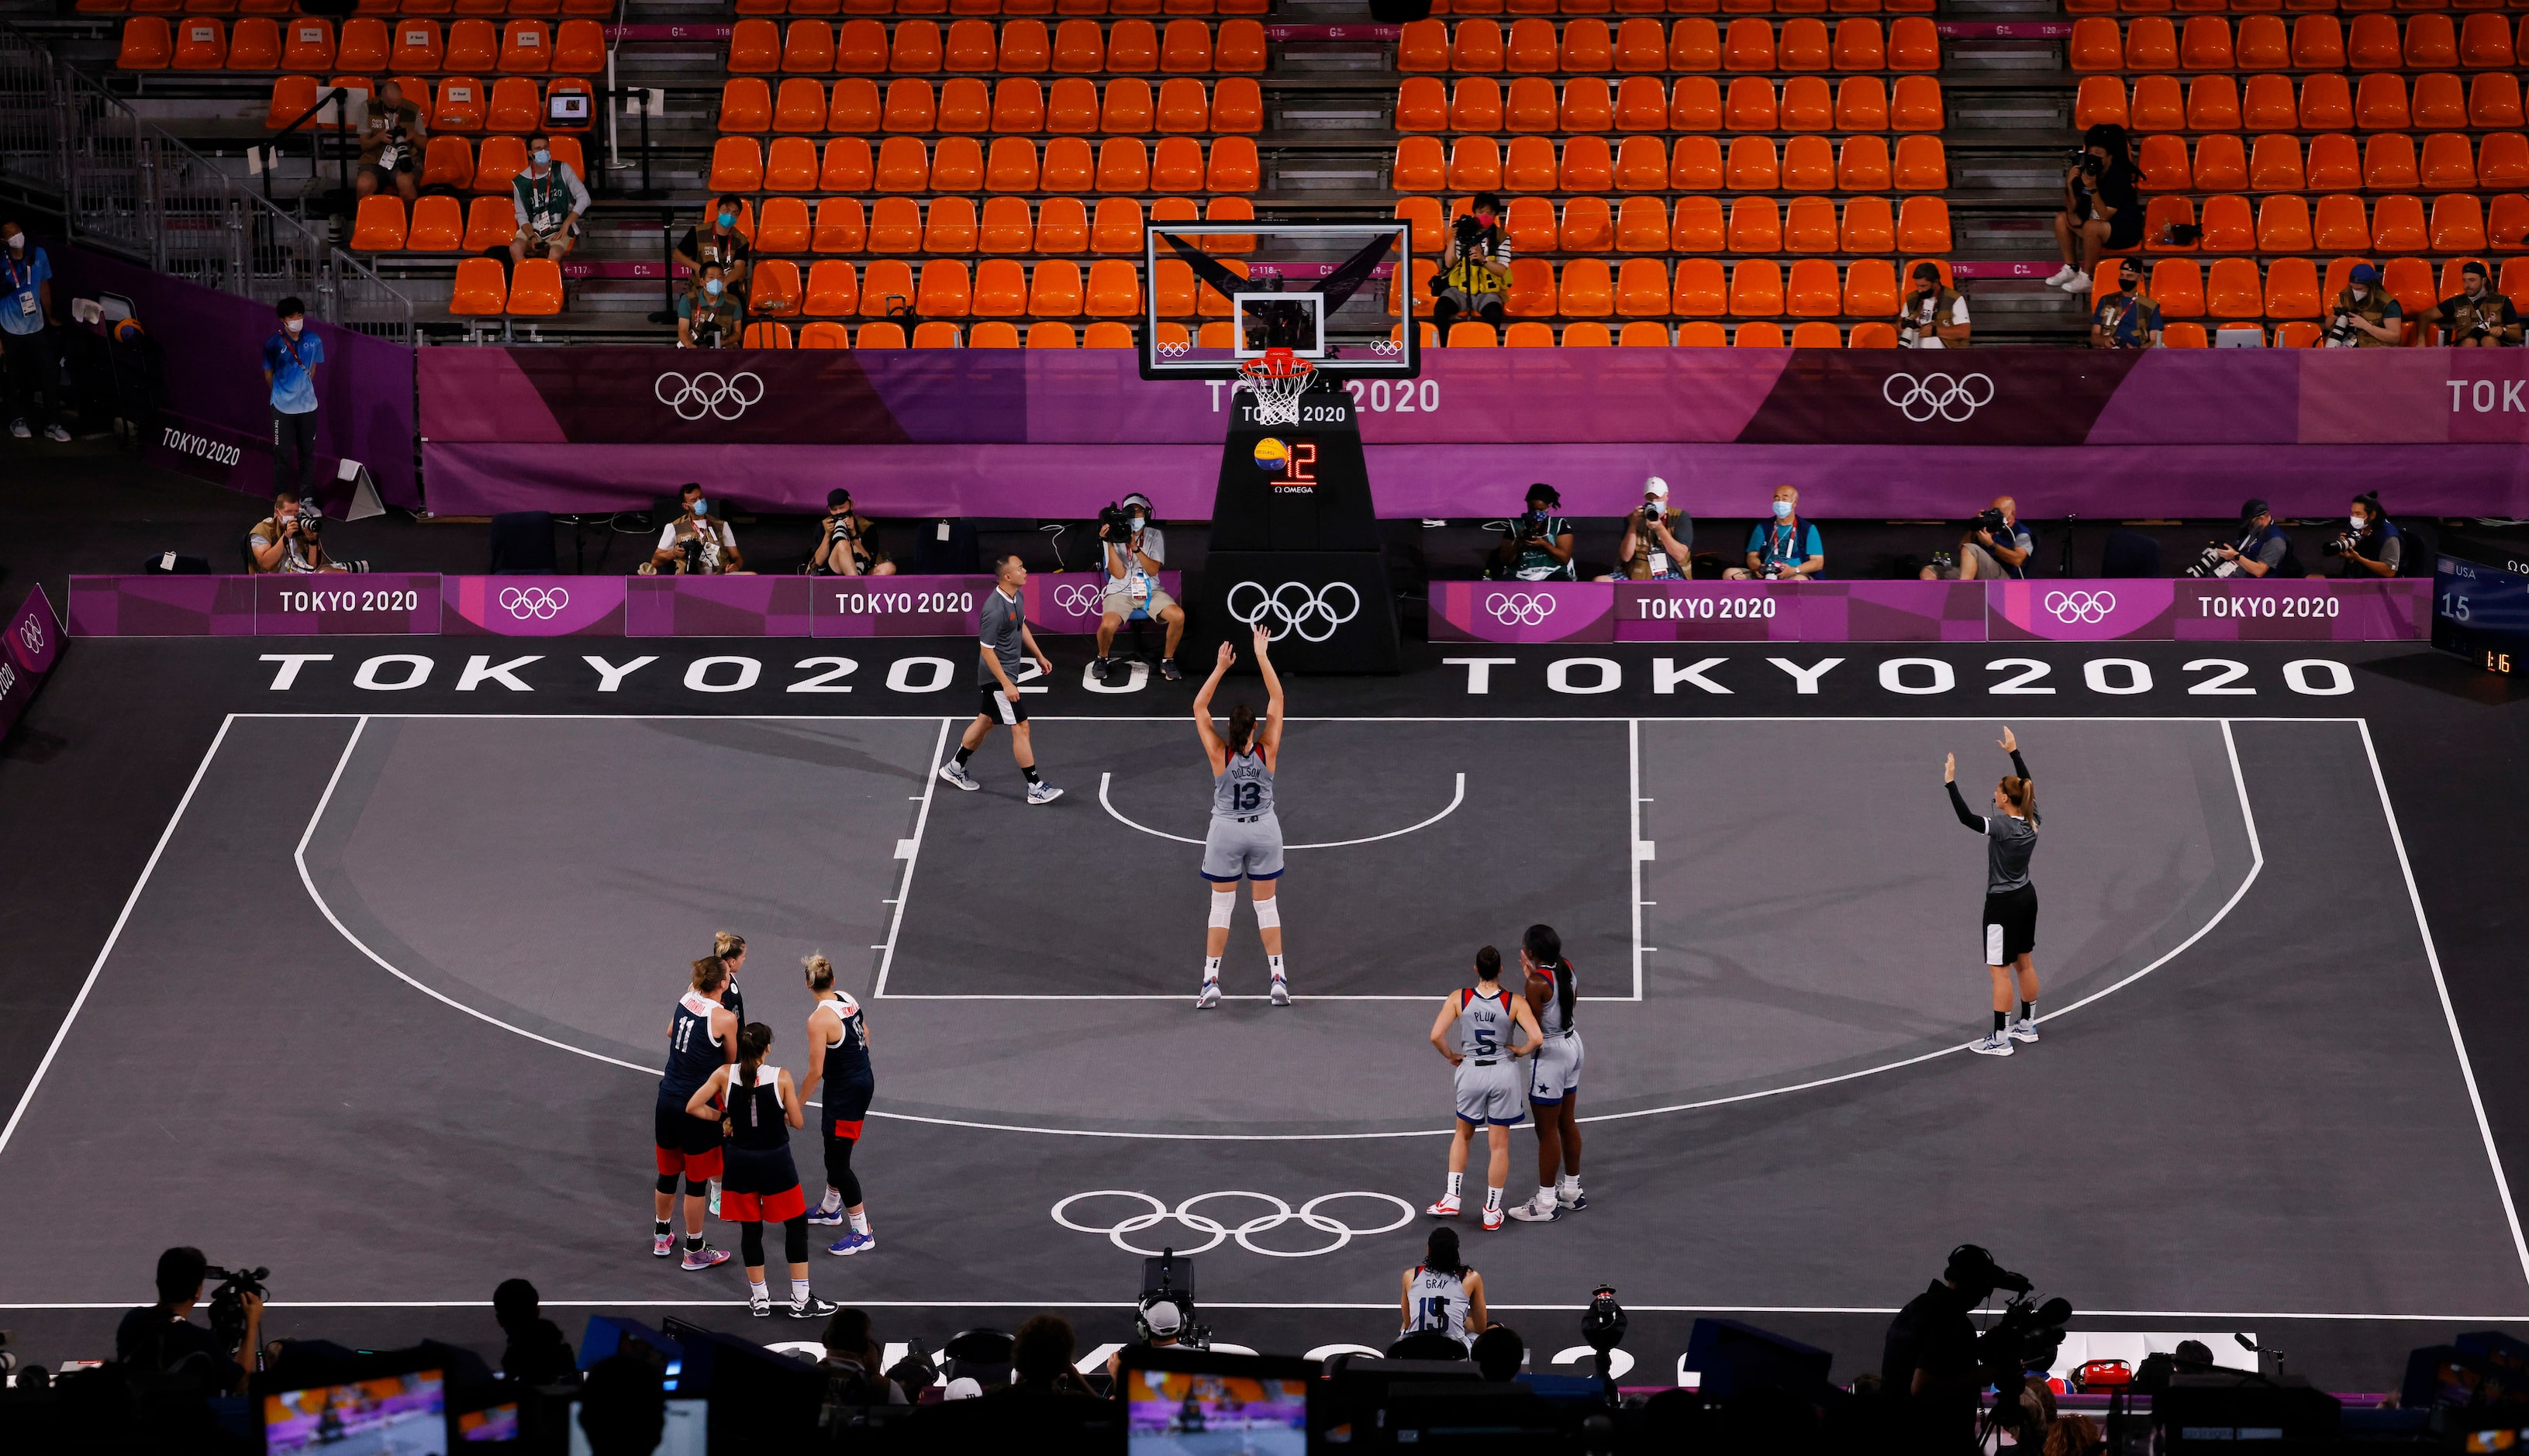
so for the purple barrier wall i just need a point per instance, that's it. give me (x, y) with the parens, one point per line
(26, 655)
(1867, 433)
(2060, 610)
(215, 421)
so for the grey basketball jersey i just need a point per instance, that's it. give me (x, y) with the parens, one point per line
(1484, 1023)
(1439, 1302)
(1244, 787)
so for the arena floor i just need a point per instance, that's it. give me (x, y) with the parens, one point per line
(381, 1006)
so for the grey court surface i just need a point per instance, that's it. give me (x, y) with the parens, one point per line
(386, 1007)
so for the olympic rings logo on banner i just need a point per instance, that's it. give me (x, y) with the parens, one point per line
(1518, 609)
(541, 603)
(1171, 348)
(32, 633)
(1953, 399)
(1282, 1213)
(724, 398)
(1299, 615)
(2089, 608)
(1079, 599)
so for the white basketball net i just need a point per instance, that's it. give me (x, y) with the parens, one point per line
(1278, 381)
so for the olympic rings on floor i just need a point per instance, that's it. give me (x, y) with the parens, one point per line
(1184, 1214)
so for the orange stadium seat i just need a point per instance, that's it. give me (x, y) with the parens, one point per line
(2158, 105)
(1476, 46)
(1587, 226)
(308, 45)
(1808, 165)
(737, 163)
(1420, 166)
(2389, 162)
(2291, 289)
(1874, 335)
(1922, 226)
(2333, 163)
(1859, 45)
(438, 225)
(490, 223)
(1586, 336)
(379, 225)
(1803, 45)
(916, 48)
(1587, 105)
(1641, 46)
(2212, 104)
(1807, 105)
(824, 335)
(782, 227)
(1423, 46)
(946, 290)
(526, 48)
(202, 44)
(2398, 224)
(1054, 292)
(764, 334)
(1809, 225)
(481, 289)
(1187, 46)
(1749, 45)
(860, 48)
(2220, 164)
(1530, 165)
(1751, 107)
(1475, 164)
(1917, 104)
(501, 159)
(1870, 288)
(1644, 334)
(1701, 289)
(833, 289)
(746, 105)
(517, 105)
(2326, 104)
(1813, 290)
(449, 162)
(1019, 106)
(2371, 43)
(2232, 290)
(1870, 226)
(2158, 215)
(910, 105)
(1695, 105)
(2317, 43)
(580, 45)
(1641, 226)
(2151, 45)
(2440, 102)
(2503, 161)
(948, 227)
(1698, 227)
(535, 289)
(1861, 104)
(1116, 227)
(2458, 223)
(1921, 164)
(772, 288)
(1529, 336)
(1914, 44)
(1114, 289)
(2268, 105)
(2097, 44)
(2448, 163)
(2275, 165)
(2342, 226)
(1756, 288)
(1754, 226)
(1694, 44)
(254, 44)
(2206, 44)
(1862, 164)
(885, 335)
(1474, 334)
(1061, 226)
(1587, 288)
(2182, 335)
(2228, 225)
(1235, 166)
(1587, 48)
(1109, 334)
(1762, 334)
(1702, 336)
(1049, 335)
(1753, 166)
(2263, 43)
(1641, 104)
(365, 45)
(2177, 287)
(1642, 288)
(2380, 103)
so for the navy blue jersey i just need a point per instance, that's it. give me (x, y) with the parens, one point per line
(693, 1052)
(731, 1002)
(755, 1116)
(848, 1049)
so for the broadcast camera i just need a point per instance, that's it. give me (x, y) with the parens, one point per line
(1603, 1329)
(1165, 1312)
(228, 1301)
(1118, 519)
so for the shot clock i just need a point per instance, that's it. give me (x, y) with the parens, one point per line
(2480, 604)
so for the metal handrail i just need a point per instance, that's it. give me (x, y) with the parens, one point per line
(315, 151)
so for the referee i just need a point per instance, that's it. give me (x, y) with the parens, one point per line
(2010, 895)
(1006, 634)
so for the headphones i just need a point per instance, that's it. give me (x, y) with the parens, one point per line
(1158, 1317)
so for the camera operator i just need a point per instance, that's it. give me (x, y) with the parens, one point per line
(716, 239)
(1931, 1373)
(1159, 1323)
(2370, 545)
(2476, 316)
(1537, 544)
(391, 143)
(2365, 316)
(548, 198)
(844, 548)
(707, 314)
(1996, 546)
(1784, 548)
(1934, 315)
(286, 542)
(1134, 549)
(1658, 542)
(2125, 320)
(696, 542)
(1474, 267)
(2102, 210)
(160, 1337)
(2261, 549)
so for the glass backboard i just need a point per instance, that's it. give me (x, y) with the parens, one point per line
(1337, 294)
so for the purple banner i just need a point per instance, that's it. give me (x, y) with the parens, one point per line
(26, 655)
(898, 606)
(2209, 611)
(1072, 603)
(533, 607)
(1523, 612)
(162, 606)
(344, 604)
(1809, 612)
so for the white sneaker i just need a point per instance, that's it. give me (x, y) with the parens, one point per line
(1571, 1198)
(2081, 284)
(1446, 1207)
(1281, 995)
(2023, 1030)
(1995, 1043)
(955, 773)
(57, 434)
(1537, 1210)
(1210, 996)
(2063, 276)
(18, 427)
(1042, 792)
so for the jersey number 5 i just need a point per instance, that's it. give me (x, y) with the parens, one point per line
(1483, 1040)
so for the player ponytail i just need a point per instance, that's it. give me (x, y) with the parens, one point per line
(727, 943)
(1441, 1257)
(710, 975)
(752, 1044)
(2022, 795)
(820, 971)
(1242, 727)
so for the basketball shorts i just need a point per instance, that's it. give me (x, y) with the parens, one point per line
(2010, 925)
(998, 707)
(685, 1145)
(1489, 1092)
(761, 1186)
(846, 1105)
(1556, 1074)
(1232, 847)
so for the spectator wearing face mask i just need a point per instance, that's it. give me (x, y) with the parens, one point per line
(28, 324)
(290, 360)
(1935, 314)
(1786, 547)
(708, 315)
(549, 198)
(2125, 320)
(716, 240)
(2365, 316)
(2476, 316)
(1474, 267)
(696, 541)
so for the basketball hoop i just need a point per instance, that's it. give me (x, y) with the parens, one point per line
(1278, 381)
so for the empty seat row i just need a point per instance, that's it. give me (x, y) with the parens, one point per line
(996, 288)
(958, 164)
(1643, 103)
(438, 224)
(1589, 47)
(811, 48)
(1003, 7)
(451, 162)
(527, 47)
(1806, 224)
(384, 8)
(1015, 105)
(2386, 163)
(2291, 287)
(1677, 7)
(2325, 104)
(483, 289)
(2245, 7)
(2284, 223)
(1056, 227)
(456, 103)
(1757, 333)
(1644, 164)
(1702, 288)
(2314, 42)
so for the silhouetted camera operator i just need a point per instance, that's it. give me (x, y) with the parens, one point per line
(160, 1338)
(1930, 1368)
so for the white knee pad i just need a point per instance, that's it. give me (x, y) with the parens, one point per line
(1222, 902)
(1268, 914)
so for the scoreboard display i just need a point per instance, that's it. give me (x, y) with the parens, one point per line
(2481, 605)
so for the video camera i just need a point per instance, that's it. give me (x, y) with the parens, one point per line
(1167, 1279)
(228, 1301)
(1115, 518)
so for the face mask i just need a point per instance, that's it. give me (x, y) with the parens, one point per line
(701, 507)
(1781, 510)
(1138, 521)
(294, 326)
(710, 285)
(541, 156)
(2356, 520)
(17, 244)
(2360, 293)
(728, 219)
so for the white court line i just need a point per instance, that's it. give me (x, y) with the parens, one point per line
(1634, 837)
(904, 887)
(1557, 717)
(1455, 801)
(1232, 1303)
(114, 935)
(2450, 1013)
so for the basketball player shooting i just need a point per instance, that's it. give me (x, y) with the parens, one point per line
(1246, 834)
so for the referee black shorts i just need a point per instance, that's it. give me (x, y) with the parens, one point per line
(2010, 925)
(998, 707)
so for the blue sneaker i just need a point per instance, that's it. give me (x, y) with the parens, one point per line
(835, 1214)
(855, 1242)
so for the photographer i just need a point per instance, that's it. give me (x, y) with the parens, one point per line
(1537, 544)
(391, 143)
(1658, 542)
(2102, 209)
(2365, 316)
(2370, 545)
(1996, 546)
(2261, 547)
(844, 548)
(1134, 549)
(2477, 317)
(1929, 1367)
(549, 199)
(1934, 314)
(716, 239)
(285, 541)
(1784, 548)
(696, 542)
(707, 314)
(160, 1337)
(2125, 320)
(1474, 267)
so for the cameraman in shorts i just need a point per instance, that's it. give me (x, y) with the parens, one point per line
(2365, 316)
(2476, 316)
(1537, 544)
(2102, 207)
(391, 143)
(1134, 549)
(287, 542)
(2259, 549)
(845, 549)
(160, 1337)
(2368, 545)
(697, 542)
(1995, 547)
(1474, 267)
(1658, 544)
(1934, 315)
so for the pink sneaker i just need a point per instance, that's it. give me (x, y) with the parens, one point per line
(705, 1256)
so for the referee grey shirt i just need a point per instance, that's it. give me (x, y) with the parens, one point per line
(1003, 618)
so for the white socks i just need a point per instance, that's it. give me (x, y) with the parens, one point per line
(757, 1290)
(860, 1221)
(1275, 962)
(798, 1291)
(1492, 1200)
(834, 1200)
(1544, 1195)
(1456, 1181)
(1210, 969)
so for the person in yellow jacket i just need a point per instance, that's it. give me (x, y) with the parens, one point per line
(1475, 268)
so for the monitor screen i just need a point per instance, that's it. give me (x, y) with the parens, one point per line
(683, 1435)
(1171, 1411)
(499, 1423)
(397, 1416)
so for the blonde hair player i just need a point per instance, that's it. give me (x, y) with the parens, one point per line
(838, 1058)
(1246, 834)
(2010, 895)
(1491, 1093)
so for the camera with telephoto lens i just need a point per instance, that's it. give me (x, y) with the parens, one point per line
(2211, 564)
(1469, 229)
(312, 520)
(2346, 543)
(228, 1301)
